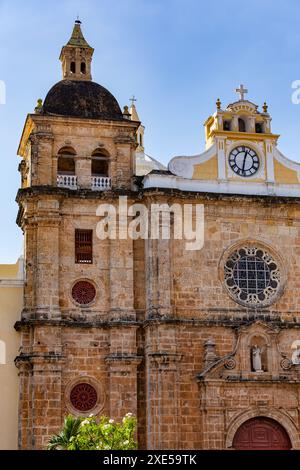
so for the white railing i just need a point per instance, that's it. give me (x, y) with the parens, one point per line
(101, 183)
(67, 181)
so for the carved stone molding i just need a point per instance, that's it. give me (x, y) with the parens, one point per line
(164, 361)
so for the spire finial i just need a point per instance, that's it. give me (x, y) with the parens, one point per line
(76, 56)
(242, 91)
(132, 99)
(39, 106)
(133, 111)
(126, 113)
(218, 103)
(265, 107)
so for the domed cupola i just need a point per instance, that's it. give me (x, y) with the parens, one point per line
(76, 95)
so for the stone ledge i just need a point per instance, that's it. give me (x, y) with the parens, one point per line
(231, 323)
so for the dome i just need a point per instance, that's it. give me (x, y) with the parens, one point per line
(82, 99)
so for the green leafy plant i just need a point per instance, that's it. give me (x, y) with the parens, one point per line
(69, 431)
(93, 434)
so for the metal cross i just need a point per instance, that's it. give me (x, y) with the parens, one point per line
(242, 91)
(132, 99)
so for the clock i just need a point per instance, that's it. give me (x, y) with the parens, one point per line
(243, 161)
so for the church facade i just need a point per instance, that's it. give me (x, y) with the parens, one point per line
(201, 345)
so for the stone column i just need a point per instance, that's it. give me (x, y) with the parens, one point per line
(159, 276)
(46, 399)
(213, 415)
(83, 171)
(123, 165)
(121, 273)
(40, 400)
(47, 260)
(29, 227)
(40, 366)
(25, 403)
(41, 156)
(162, 400)
(221, 152)
(123, 362)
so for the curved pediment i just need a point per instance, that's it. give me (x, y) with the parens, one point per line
(185, 166)
(258, 354)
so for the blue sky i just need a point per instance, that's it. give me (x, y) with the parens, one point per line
(176, 56)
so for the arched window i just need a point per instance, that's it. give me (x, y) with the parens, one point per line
(226, 125)
(258, 128)
(100, 165)
(242, 125)
(73, 67)
(65, 161)
(83, 67)
(141, 140)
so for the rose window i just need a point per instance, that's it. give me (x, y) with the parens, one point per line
(83, 397)
(252, 276)
(83, 292)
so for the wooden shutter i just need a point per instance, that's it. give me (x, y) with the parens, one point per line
(83, 246)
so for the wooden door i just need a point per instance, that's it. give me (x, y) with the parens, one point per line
(261, 434)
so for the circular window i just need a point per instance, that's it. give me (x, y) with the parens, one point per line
(83, 397)
(83, 292)
(252, 276)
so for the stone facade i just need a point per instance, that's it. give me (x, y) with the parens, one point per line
(143, 340)
(162, 338)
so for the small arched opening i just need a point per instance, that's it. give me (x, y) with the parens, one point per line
(83, 68)
(258, 128)
(226, 125)
(100, 163)
(242, 125)
(66, 161)
(73, 67)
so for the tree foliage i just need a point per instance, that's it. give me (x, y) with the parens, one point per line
(95, 434)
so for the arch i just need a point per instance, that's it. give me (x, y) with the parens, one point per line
(227, 125)
(284, 420)
(258, 128)
(100, 152)
(242, 125)
(100, 162)
(83, 68)
(261, 433)
(73, 67)
(65, 161)
(2, 352)
(67, 150)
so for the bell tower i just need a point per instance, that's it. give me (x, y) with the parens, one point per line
(76, 56)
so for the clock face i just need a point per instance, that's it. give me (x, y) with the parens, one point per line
(243, 161)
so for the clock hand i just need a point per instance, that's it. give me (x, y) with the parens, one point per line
(246, 153)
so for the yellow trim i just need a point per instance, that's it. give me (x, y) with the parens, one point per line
(284, 175)
(9, 271)
(207, 170)
(28, 127)
(245, 135)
